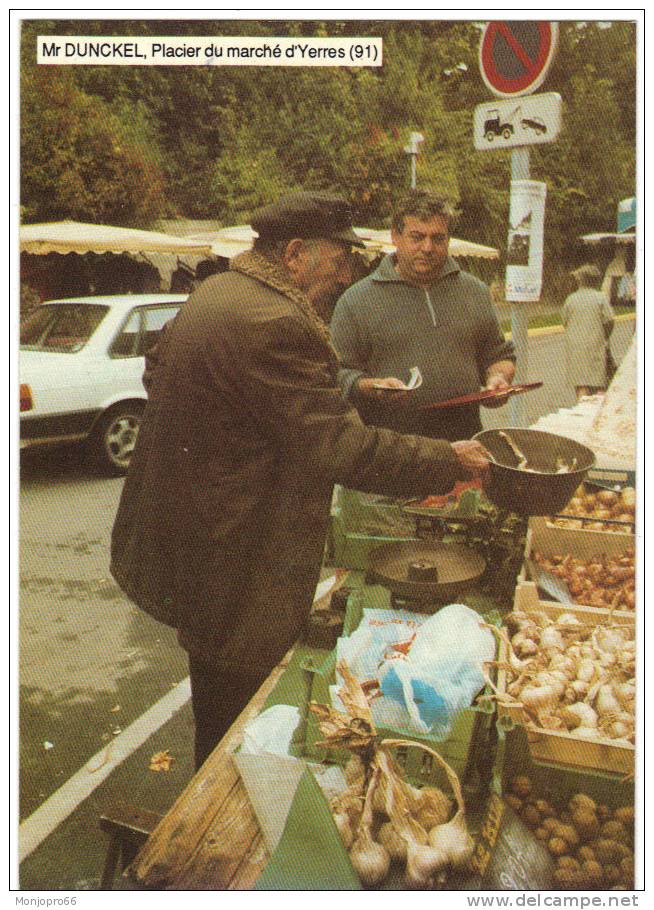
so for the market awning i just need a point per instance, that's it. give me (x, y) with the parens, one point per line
(229, 241)
(601, 237)
(75, 237)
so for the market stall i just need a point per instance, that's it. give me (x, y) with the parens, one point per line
(230, 241)
(460, 713)
(63, 258)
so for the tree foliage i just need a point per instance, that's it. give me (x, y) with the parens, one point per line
(127, 144)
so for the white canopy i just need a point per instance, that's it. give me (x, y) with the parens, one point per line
(598, 238)
(229, 241)
(75, 237)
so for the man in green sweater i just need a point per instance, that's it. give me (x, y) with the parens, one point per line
(419, 309)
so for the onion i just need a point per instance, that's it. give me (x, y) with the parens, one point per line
(628, 498)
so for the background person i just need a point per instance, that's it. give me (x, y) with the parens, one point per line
(588, 320)
(223, 517)
(420, 309)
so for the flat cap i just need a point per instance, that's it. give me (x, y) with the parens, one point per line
(306, 215)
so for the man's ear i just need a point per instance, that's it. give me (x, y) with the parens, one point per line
(292, 254)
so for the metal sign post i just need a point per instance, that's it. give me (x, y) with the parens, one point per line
(519, 311)
(413, 149)
(514, 58)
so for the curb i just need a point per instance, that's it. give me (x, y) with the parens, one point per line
(558, 329)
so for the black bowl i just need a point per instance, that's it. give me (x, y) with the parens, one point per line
(539, 491)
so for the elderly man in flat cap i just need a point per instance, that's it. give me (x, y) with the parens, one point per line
(224, 513)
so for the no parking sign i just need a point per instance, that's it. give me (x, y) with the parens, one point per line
(514, 57)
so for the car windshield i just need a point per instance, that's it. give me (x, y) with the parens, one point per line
(61, 327)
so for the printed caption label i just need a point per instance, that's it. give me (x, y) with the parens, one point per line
(169, 51)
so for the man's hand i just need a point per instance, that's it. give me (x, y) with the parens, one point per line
(473, 457)
(499, 377)
(390, 390)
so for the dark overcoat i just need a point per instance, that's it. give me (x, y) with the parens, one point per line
(223, 516)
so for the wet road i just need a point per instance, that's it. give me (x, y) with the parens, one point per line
(91, 664)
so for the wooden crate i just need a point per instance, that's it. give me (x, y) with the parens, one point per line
(527, 598)
(626, 536)
(550, 540)
(553, 746)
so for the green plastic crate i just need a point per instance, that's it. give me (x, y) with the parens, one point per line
(467, 749)
(553, 782)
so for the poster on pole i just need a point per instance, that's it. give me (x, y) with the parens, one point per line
(524, 255)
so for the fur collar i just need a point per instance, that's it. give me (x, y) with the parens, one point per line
(267, 271)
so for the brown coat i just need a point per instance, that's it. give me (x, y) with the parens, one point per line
(223, 517)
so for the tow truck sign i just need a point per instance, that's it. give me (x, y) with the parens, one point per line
(529, 120)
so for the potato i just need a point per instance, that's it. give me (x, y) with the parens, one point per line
(514, 801)
(531, 816)
(568, 879)
(625, 814)
(521, 786)
(615, 830)
(568, 834)
(542, 833)
(608, 852)
(594, 872)
(586, 854)
(611, 874)
(586, 824)
(581, 801)
(627, 868)
(557, 846)
(568, 862)
(546, 809)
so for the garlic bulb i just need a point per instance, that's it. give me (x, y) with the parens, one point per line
(393, 842)
(579, 715)
(452, 841)
(450, 844)
(342, 822)
(370, 859)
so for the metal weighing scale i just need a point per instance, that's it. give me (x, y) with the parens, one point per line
(455, 553)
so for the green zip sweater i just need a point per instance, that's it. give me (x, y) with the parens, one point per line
(383, 326)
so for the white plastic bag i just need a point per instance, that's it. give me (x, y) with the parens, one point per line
(429, 668)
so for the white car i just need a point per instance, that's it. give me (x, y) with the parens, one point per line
(81, 368)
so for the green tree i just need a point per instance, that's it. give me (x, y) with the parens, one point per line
(79, 161)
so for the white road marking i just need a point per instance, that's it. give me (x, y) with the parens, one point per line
(67, 798)
(56, 809)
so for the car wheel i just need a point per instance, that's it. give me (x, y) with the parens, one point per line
(507, 133)
(490, 135)
(115, 437)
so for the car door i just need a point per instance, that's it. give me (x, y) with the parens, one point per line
(137, 335)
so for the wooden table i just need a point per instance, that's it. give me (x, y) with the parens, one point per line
(210, 839)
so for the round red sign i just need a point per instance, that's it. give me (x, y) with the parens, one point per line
(514, 57)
